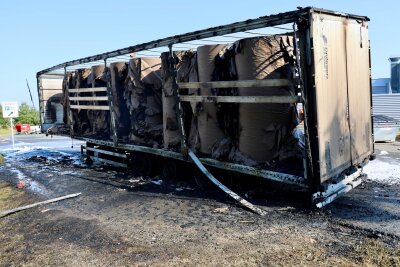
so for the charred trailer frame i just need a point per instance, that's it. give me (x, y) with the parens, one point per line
(332, 60)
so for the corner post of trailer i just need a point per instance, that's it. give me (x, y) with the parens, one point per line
(66, 90)
(307, 86)
(40, 98)
(179, 113)
(300, 88)
(113, 124)
(370, 89)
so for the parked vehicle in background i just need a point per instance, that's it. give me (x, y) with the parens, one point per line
(35, 129)
(385, 128)
(23, 128)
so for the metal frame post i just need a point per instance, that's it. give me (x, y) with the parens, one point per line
(12, 132)
(66, 89)
(113, 121)
(370, 99)
(179, 111)
(40, 98)
(307, 159)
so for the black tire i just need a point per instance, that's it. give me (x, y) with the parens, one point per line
(169, 170)
(202, 181)
(141, 164)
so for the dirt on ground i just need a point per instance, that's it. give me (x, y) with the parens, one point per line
(148, 222)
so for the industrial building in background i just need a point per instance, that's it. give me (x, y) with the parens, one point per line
(386, 92)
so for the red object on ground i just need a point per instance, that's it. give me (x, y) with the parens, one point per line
(20, 185)
(21, 128)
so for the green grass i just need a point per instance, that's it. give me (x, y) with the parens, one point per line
(5, 132)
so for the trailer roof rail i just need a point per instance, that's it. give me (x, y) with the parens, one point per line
(243, 26)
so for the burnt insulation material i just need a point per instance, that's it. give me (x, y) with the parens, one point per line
(265, 130)
(209, 130)
(186, 67)
(118, 74)
(143, 88)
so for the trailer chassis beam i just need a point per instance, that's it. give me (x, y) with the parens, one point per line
(299, 182)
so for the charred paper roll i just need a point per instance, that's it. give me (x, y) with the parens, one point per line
(185, 64)
(209, 130)
(100, 119)
(264, 128)
(118, 74)
(69, 83)
(143, 98)
(80, 120)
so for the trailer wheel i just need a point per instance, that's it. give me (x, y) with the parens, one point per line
(169, 170)
(202, 181)
(141, 164)
(88, 160)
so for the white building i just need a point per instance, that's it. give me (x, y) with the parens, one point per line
(386, 92)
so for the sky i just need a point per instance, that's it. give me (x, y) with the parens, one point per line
(35, 35)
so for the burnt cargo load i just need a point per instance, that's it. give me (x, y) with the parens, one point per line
(283, 97)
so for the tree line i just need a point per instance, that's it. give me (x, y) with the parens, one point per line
(27, 115)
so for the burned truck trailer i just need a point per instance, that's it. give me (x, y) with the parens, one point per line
(285, 97)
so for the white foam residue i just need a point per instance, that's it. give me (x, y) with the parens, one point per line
(383, 152)
(383, 171)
